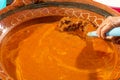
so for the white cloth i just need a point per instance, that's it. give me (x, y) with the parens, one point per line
(112, 3)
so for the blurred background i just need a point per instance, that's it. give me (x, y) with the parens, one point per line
(9, 2)
(115, 4)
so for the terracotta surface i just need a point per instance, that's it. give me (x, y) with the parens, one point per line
(32, 47)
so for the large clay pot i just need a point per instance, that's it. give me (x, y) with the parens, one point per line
(26, 23)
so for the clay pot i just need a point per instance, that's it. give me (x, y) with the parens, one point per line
(22, 13)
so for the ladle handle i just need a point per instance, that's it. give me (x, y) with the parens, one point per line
(112, 32)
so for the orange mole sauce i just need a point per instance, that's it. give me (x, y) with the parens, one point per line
(41, 52)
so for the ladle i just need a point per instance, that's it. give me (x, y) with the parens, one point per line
(112, 32)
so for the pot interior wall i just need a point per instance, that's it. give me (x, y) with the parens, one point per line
(37, 48)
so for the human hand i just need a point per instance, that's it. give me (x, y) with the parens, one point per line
(109, 23)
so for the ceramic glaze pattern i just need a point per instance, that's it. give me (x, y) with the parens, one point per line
(16, 19)
(19, 17)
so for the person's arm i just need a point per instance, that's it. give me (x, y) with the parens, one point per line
(109, 23)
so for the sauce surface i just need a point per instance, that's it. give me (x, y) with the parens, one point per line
(41, 52)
